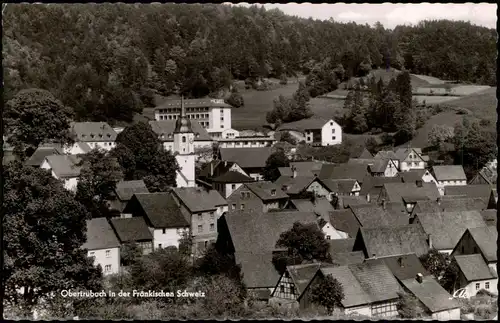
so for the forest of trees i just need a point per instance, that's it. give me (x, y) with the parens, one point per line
(107, 61)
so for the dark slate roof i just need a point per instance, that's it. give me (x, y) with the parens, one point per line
(301, 275)
(403, 266)
(458, 204)
(341, 245)
(365, 154)
(377, 281)
(412, 176)
(396, 191)
(342, 186)
(386, 154)
(374, 165)
(162, 210)
(165, 130)
(490, 217)
(320, 206)
(294, 185)
(373, 216)
(446, 228)
(431, 294)
(254, 235)
(304, 124)
(126, 189)
(352, 200)
(39, 155)
(247, 157)
(481, 190)
(486, 239)
(348, 258)
(345, 221)
(474, 267)
(193, 103)
(93, 131)
(372, 185)
(449, 173)
(354, 294)
(344, 171)
(383, 242)
(131, 229)
(64, 165)
(263, 190)
(100, 235)
(198, 199)
(305, 168)
(402, 153)
(233, 177)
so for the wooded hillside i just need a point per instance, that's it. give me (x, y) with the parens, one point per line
(107, 61)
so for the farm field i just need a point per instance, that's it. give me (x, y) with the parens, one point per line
(434, 99)
(428, 79)
(449, 118)
(482, 104)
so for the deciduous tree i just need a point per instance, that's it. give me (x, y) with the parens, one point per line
(329, 293)
(306, 241)
(275, 160)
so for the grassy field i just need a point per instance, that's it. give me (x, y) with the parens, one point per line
(434, 99)
(449, 118)
(482, 104)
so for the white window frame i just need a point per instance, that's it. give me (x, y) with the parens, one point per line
(108, 253)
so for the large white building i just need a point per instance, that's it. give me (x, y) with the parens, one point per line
(91, 135)
(212, 114)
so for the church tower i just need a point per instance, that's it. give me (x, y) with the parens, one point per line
(184, 149)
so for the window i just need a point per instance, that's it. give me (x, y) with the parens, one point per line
(475, 250)
(333, 137)
(200, 217)
(183, 138)
(331, 123)
(463, 249)
(242, 206)
(92, 254)
(212, 227)
(478, 285)
(107, 268)
(328, 237)
(221, 118)
(233, 186)
(200, 228)
(487, 285)
(108, 253)
(282, 288)
(234, 206)
(222, 126)
(273, 192)
(333, 131)
(212, 215)
(164, 231)
(206, 244)
(159, 246)
(292, 289)
(242, 194)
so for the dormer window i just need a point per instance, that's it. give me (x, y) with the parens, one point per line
(273, 192)
(92, 135)
(197, 135)
(100, 135)
(169, 135)
(109, 135)
(83, 135)
(183, 138)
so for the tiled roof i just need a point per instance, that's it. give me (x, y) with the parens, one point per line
(403, 266)
(375, 165)
(480, 190)
(449, 173)
(64, 166)
(354, 294)
(365, 154)
(39, 155)
(165, 130)
(198, 199)
(402, 153)
(486, 239)
(84, 147)
(458, 204)
(294, 185)
(387, 241)
(446, 228)
(193, 103)
(93, 131)
(306, 168)
(474, 267)
(372, 185)
(348, 258)
(412, 176)
(301, 275)
(352, 200)
(344, 171)
(490, 217)
(396, 191)
(376, 280)
(431, 294)
(217, 167)
(345, 221)
(373, 216)
(254, 235)
(126, 189)
(264, 189)
(100, 235)
(304, 124)
(341, 186)
(386, 154)
(341, 245)
(247, 157)
(131, 229)
(161, 210)
(320, 206)
(233, 177)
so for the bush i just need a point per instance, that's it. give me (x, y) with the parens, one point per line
(484, 292)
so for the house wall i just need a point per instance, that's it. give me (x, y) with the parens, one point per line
(71, 183)
(187, 168)
(391, 170)
(249, 200)
(246, 143)
(73, 149)
(384, 309)
(220, 119)
(413, 161)
(105, 145)
(203, 230)
(230, 133)
(361, 310)
(466, 245)
(272, 206)
(226, 189)
(318, 189)
(285, 289)
(171, 237)
(112, 259)
(451, 314)
(331, 134)
(146, 246)
(329, 230)
(471, 288)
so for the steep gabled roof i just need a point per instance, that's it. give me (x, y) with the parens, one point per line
(100, 235)
(449, 173)
(264, 189)
(198, 199)
(165, 130)
(348, 258)
(131, 229)
(302, 275)
(320, 206)
(403, 153)
(126, 189)
(233, 177)
(345, 221)
(480, 190)
(474, 267)
(294, 185)
(396, 191)
(458, 204)
(486, 239)
(343, 171)
(354, 294)
(340, 245)
(446, 228)
(304, 168)
(64, 166)
(40, 153)
(403, 266)
(372, 185)
(246, 157)
(161, 210)
(93, 131)
(377, 281)
(386, 154)
(341, 186)
(431, 294)
(412, 176)
(365, 154)
(373, 216)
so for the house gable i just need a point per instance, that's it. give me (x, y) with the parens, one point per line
(244, 198)
(285, 288)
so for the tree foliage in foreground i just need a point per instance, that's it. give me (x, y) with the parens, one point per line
(275, 160)
(329, 293)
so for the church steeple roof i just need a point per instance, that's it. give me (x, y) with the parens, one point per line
(183, 124)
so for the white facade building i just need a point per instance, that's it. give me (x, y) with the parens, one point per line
(63, 167)
(317, 132)
(94, 134)
(103, 245)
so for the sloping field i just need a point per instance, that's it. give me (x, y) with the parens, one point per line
(482, 104)
(449, 118)
(434, 99)
(429, 79)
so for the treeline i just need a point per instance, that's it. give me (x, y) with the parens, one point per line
(107, 61)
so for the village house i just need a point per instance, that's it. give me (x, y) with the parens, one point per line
(388, 155)
(414, 175)
(373, 215)
(449, 175)
(223, 176)
(341, 187)
(229, 182)
(103, 245)
(167, 223)
(318, 205)
(123, 192)
(377, 167)
(372, 186)
(251, 160)
(408, 193)
(203, 208)
(296, 186)
(444, 229)
(391, 241)
(345, 221)
(474, 275)
(133, 230)
(261, 196)
(341, 252)
(411, 158)
(314, 131)
(64, 167)
(449, 204)
(481, 240)
(91, 135)
(250, 236)
(344, 171)
(41, 152)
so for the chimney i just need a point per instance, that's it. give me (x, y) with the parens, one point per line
(384, 204)
(374, 256)
(419, 183)
(420, 278)
(225, 163)
(429, 241)
(368, 198)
